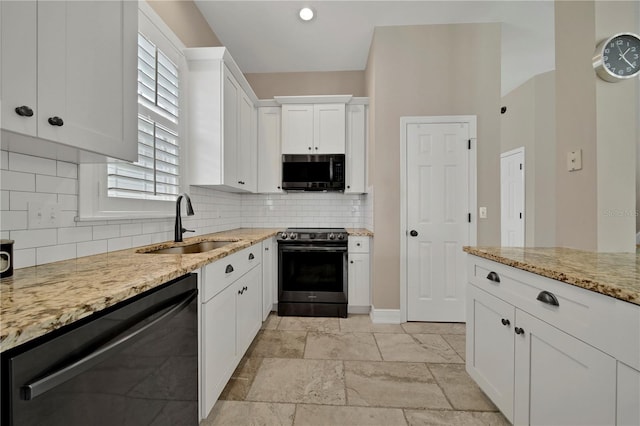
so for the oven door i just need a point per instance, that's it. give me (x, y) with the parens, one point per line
(312, 273)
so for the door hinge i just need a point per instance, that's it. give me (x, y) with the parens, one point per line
(469, 217)
(469, 145)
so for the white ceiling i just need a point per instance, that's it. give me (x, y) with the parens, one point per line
(268, 36)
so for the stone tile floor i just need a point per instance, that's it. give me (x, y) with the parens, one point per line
(333, 371)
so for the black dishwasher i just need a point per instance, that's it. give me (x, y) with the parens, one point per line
(135, 363)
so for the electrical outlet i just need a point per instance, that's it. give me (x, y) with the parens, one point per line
(43, 215)
(482, 212)
(574, 160)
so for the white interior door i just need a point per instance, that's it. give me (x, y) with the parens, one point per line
(437, 208)
(512, 198)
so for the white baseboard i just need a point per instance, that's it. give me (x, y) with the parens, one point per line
(385, 316)
(358, 309)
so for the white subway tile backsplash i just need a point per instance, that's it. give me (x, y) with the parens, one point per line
(106, 231)
(17, 181)
(13, 220)
(216, 211)
(121, 243)
(58, 185)
(34, 238)
(55, 253)
(31, 164)
(24, 258)
(67, 170)
(90, 248)
(20, 200)
(75, 234)
(4, 160)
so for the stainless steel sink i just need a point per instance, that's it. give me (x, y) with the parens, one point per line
(201, 247)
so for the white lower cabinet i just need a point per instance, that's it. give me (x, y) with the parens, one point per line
(359, 299)
(269, 275)
(522, 351)
(230, 319)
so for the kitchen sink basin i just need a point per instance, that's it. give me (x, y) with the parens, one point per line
(201, 247)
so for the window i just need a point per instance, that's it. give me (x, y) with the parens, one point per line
(148, 187)
(156, 174)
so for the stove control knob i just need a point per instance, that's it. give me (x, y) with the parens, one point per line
(341, 236)
(293, 236)
(332, 236)
(284, 235)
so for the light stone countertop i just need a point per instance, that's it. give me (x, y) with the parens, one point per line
(613, 274)
(40, 299)
(359, 232)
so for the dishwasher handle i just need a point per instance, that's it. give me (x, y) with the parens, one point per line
(40, 386)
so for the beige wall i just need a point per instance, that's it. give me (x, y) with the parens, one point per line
(530, 123)
(268, 85)
(411, 71)
(186, 21)
(596, 205)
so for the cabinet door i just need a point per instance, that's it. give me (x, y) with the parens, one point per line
(359, 280)
(329, 128)
(356, 149)
(269, 158)
(231, 94)
(247, 155)
(268, 276)
(218, 345)
(628, 403)
(297, 129)
(249, 303)
(560, 379)
(87, 75)
(490, 348)
(18, 50)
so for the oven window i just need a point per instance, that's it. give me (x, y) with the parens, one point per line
(312, 271)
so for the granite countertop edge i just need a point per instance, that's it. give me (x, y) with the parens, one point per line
(41, 299)
(621, 283)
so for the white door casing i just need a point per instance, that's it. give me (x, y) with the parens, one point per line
(512, 198)
(438, 194)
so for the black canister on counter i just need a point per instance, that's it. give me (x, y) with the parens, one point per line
(6, 258)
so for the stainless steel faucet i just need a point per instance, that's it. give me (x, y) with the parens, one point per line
(179, 230)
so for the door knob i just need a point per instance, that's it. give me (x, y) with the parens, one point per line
(413, 233)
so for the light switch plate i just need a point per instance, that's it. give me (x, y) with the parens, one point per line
(44, 215)
(574, 160)
(482, 212)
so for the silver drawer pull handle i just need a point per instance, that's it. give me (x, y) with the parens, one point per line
(548, 298)
(493, 277)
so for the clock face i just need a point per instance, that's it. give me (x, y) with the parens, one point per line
(621, 55)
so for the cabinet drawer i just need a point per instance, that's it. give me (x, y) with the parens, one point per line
(221, 273)
(592, 317)
(358, 244)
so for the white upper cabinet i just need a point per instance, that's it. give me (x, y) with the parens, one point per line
(222, 122)
(269, 158)
(313, 128)
(69, 73)
(356, 149)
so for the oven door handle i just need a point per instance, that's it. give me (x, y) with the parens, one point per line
(50, 381)
(331, 169)
(306, 247)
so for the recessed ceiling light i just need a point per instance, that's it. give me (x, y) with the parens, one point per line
(306, 14)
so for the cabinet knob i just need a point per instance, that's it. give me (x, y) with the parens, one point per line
(251, 256)
(505, 321)
(279, 188)
(348, 186)
(413, 233)
(266, 249)
(55, 121)
(518, 330)
(228, 269)
(316, 148)
(309, 148)
(358, 244)
(352, 261)
(24, 111)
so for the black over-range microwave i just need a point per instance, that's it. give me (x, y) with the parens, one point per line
(316, 172)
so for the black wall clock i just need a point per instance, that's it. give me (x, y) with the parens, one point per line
(617, 58)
